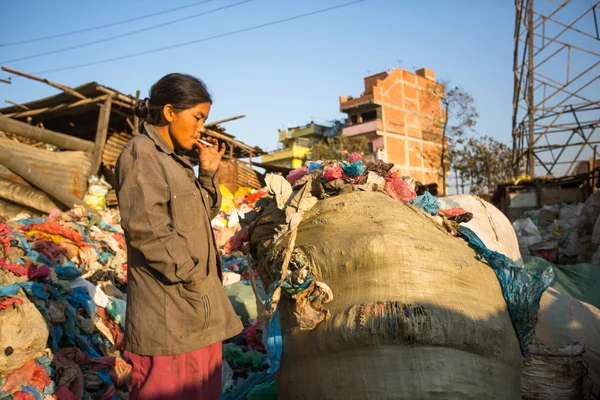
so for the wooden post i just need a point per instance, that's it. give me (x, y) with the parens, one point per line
(38, 179)
(101, 133)
(44, 135)
(136, 119)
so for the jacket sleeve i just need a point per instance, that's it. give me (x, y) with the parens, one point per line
(143, 196)
(209, 180)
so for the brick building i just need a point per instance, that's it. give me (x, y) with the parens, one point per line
(295, 144)
(400, 113)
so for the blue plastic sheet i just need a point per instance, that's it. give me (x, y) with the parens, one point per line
(67, 273)
(81, 299)
(354, 169)
(273, 342)
(313, 166)
(522, 289)
(29, 221)
(428, 203)
(31, 288)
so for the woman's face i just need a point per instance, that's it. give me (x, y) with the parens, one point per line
(186, 126)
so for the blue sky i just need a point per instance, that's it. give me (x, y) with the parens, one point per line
(278, 75)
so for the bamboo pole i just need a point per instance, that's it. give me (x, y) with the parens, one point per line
(64, 88)
(224, 120)
(38, 111)
(116, 95)
(38, 179)
(24, 107)
(44, 135)
(228, 139)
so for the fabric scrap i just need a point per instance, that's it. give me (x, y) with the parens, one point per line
(522, 288)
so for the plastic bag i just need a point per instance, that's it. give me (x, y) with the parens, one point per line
(527, 234)
(116, 309)
(354, 157)
(353, 170)
(96, 193)
(398, 188)
(522, 288)
(333, 173)
(313, 166)
(296, 174)
(427, 203)
(23, 335)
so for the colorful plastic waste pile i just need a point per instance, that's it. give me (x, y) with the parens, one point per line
(71, 266)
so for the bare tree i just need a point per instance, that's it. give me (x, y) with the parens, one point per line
(484, 162)
(459, 121)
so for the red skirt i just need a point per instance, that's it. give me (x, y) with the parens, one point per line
(188, 376)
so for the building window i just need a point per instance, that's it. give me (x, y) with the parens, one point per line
(353, 119)
(369, 116)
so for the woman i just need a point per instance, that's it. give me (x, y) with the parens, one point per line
(177, 310)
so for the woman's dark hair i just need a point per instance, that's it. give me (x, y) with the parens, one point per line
(182, 91)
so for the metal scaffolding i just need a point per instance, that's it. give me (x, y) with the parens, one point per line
(556, 106)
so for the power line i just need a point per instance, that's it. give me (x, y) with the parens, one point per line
(199, 40)
(94, 28)
(78, 46)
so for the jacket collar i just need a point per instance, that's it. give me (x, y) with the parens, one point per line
(158, 140)
(162, 144)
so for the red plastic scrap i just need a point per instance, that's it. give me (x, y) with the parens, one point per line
(254, 197)
(333, 173)
(20, 376)
(120, 239)
(55, 228)
(398, 188)
(4, 239)
(17, 269)
(254, 336)
(9, 302)
(296, 174)
(355, 157)
(23, 396)
(41, 378)
(453, 212)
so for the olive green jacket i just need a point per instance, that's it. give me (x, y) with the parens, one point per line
(175, 299)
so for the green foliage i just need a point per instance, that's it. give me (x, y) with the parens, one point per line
(338, 148)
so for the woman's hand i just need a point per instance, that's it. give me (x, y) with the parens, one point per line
(210, 156)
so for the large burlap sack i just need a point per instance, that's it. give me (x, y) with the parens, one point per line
(414, 314)
(554, 372)
(491, 225)
(564, 320)
(23, 335)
